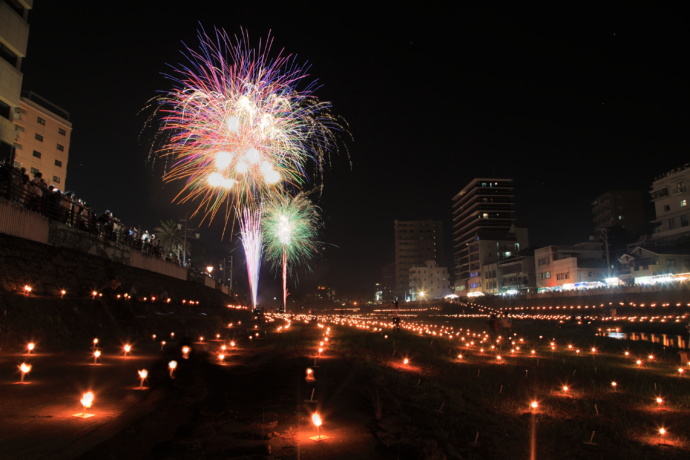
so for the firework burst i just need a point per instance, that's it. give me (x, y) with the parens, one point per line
(239, 124)
(290, 225)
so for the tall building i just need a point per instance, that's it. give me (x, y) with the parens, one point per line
(14, 37)
(416, 242)
(43, 139)
(484, 230)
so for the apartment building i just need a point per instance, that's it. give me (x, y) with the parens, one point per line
(484, 230)
(429, 281)
(671, 197)
(43, 139)
(14, 37)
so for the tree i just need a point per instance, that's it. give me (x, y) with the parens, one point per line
(172, 238)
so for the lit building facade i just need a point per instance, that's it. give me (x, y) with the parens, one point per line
(643, 266)
(14, 37)
(671, 200)
(484, 231)
(43, 139)
(509, 276)
(579, 266)
(429, 282)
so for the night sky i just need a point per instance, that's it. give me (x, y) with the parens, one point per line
(570, 102)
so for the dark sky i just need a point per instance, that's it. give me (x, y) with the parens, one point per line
(568, 101)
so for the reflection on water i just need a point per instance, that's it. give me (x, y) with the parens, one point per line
(667, 340)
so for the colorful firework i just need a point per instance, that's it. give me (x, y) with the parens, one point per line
(290, 225)
(239, 124)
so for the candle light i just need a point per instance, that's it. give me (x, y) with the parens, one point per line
(143, 373)
(172, 365)
(86, 401)
(24, 368)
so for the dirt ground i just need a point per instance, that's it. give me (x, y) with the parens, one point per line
(257, 405)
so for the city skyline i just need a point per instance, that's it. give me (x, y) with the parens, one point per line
(568, 107)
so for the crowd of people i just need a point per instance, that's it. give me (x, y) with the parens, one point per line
(35, 194)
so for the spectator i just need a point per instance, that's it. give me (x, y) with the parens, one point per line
(38, 189)
(66, 205)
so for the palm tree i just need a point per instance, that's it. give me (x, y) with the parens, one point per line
(171, 237)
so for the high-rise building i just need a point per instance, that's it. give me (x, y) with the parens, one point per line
(14, 37)
(416, 242)
(484, 230)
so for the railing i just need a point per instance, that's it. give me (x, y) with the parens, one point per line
(74, 213)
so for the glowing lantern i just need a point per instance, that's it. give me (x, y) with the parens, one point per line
(172, 365)
(24, 369)
(185, 351)
(86, 401)
(30, 347)
(127, 348)
(96, 355)
(143, 373)
(316, 420)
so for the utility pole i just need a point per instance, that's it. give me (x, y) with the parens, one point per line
(184, 247)
(605, 239)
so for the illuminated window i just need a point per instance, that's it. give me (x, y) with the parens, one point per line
(683, 203)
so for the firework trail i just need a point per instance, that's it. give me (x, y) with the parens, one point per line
(250, 230)
(290, 225)
(238, 125)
